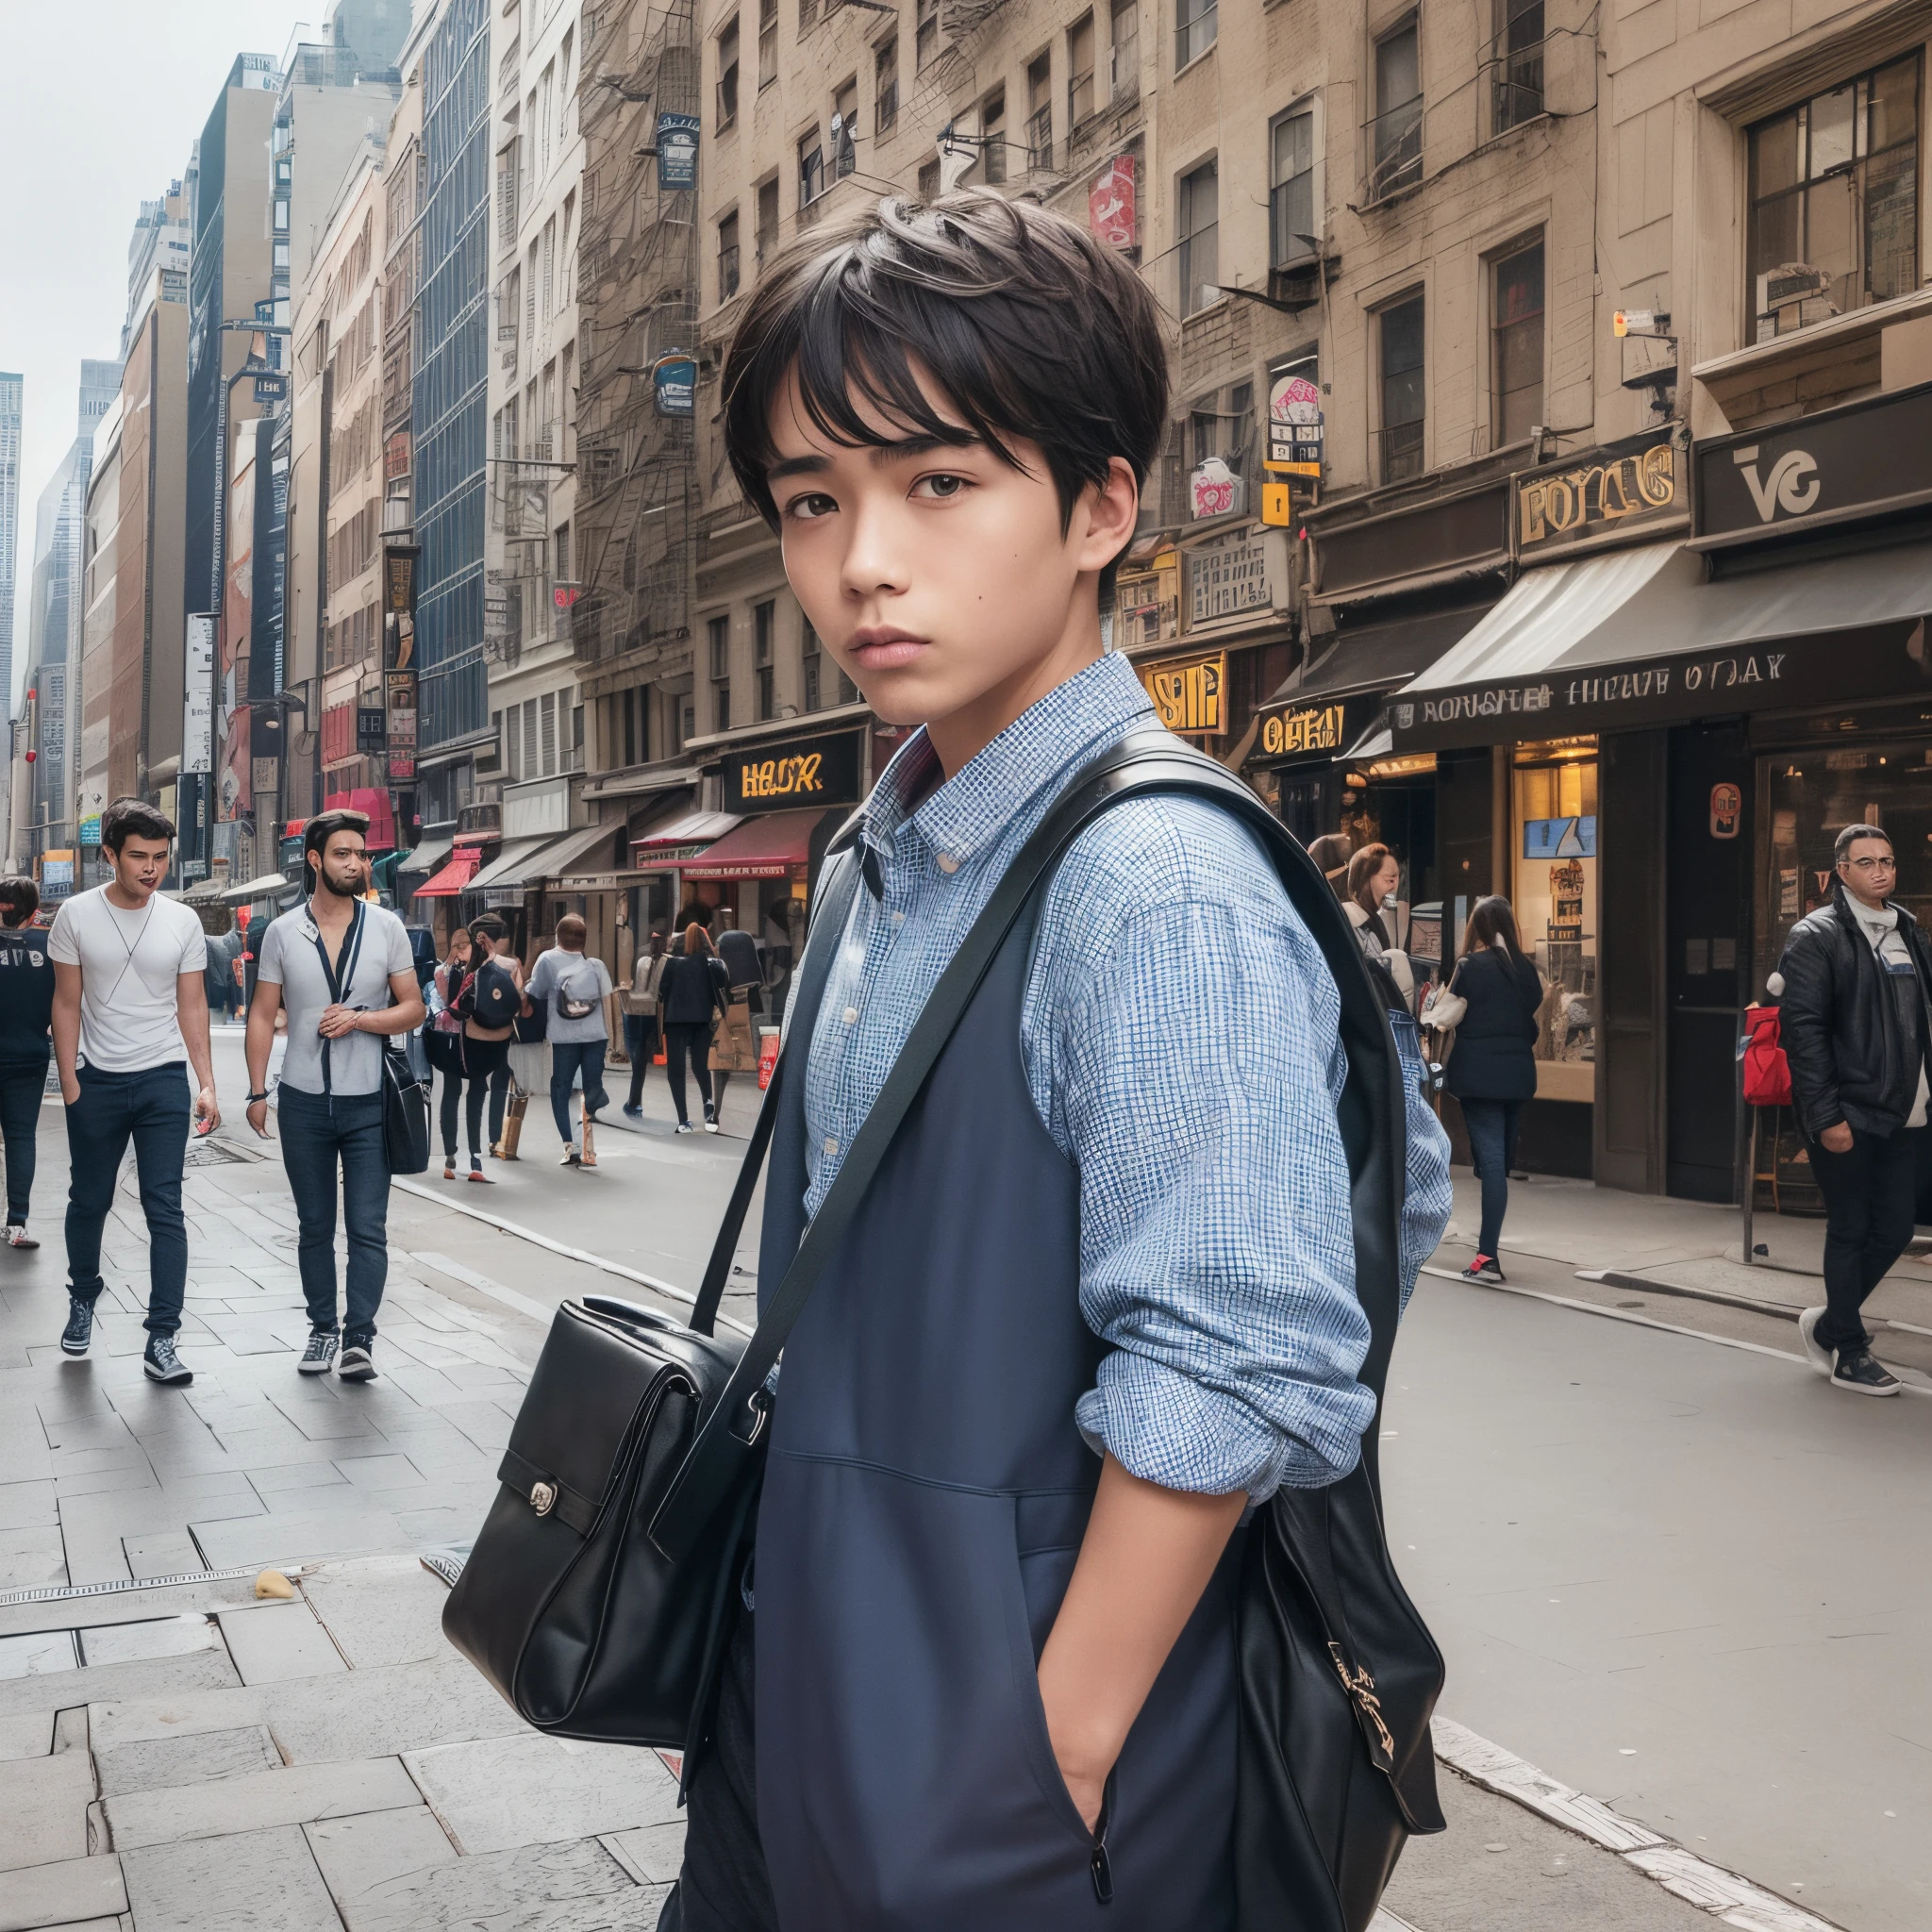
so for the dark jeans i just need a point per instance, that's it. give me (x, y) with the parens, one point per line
(20, 1088)
(684, 1043)
(1869, 1197)
(1491, 1126)
(319, 1130)
(641, 1043)
(151, 1108)
(566, 1056)
(486, 1064)
(445, 1057)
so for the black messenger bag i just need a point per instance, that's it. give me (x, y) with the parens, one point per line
(594, 1598)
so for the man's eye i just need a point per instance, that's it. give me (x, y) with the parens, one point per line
(809, 508)
(942, 486)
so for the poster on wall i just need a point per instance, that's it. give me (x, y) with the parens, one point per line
(400, 699)
(1110, 203)
(199, 695)
(677, 151)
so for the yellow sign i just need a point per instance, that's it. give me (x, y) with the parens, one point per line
(782, 778)
(1318, 728)
(1278, 507)
(1597, 495)
(1188, 692)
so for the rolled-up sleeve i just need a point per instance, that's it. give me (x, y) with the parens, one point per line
(1428, 1197)
(1196, 1065)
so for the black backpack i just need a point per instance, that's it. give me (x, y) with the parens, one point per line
(495, 1000)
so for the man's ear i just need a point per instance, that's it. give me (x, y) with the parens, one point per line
(1108, 512)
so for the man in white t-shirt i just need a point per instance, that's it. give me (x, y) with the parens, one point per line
(130, 1016)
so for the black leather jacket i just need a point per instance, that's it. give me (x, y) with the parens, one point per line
(1840, 1025)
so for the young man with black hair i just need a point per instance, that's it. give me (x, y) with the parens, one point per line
(27, 1008)
(1101, 1296)
(130, 1016)
(342, 968)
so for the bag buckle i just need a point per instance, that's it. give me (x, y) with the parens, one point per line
(542, 1497)
(760, 1402)
(1360, 1687)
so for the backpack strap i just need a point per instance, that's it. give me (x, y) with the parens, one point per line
(338, 977)
(1145, 762)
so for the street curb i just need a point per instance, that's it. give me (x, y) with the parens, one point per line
(1729, 1897)
(1616, 1278)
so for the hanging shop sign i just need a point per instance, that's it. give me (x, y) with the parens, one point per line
(1305, 731)
(1462, 535)
(1190, 693)
(1228, 577)
(399, 564)
(1147, 601)
(675, 384)
(90, 830)
(400, 701)
(1215, 491)
(1627, 487)
(1295, 427)
(198, 696)
(1110, 203)
(370, 733)
(804, 772)
(1726, 810)
(677, 151)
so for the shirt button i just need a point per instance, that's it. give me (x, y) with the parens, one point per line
(851, 1016)
(831, 1145)
(898, 918)
(948, 864)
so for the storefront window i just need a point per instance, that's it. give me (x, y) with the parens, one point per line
(1555, 894)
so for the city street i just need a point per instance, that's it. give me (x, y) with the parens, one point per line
(1673, 1574)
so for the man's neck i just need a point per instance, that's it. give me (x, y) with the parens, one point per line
(960, 736)
(127, 898)
(330, 910)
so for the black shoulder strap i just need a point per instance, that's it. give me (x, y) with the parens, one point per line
(1142, 763)
(338, 977)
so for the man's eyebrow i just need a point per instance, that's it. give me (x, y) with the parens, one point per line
(797, 466)
(904, 448)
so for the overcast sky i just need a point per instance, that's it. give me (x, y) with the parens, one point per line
(100, 102)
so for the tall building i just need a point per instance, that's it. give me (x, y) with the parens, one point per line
(161, 242)
(12, 388)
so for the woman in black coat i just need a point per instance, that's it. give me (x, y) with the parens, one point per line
(694, 986)
(1492, 1069)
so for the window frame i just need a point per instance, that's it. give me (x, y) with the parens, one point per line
(1386, 466)
(1496, 262)
(1196, 31)
(727, 73)
(1308, 109)
(1187, 238)
(1079, 78)
(885, 85)
(1403, 144)
(730, 256)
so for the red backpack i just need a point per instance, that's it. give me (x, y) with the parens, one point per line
(1767, 1072)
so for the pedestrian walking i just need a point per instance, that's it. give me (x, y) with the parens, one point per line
(488, 1004)
(1492, 1069)
(692, 990)
(1375, 874)
(982, 1670)
(222, 992)
(577, 991)
(735, 1045)
(1857, 1029)
(442, 1041)
(641, 1018)
(26, 1011)
(341, 970)
(130, 1017)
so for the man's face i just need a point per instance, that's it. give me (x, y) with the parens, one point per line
(937, 575)
(140, 864)
(345, 865)
(1869, 871)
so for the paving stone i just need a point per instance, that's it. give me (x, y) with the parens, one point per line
(286, 1478)
(124, 1643)
(292, 1795)
(25, 1505)
(380, 1472)
(162, 1763)
(31, 1559)
(36, 1655)
(171, 1552)
(495, 1793)
(43, 1802)
(64, 1893)
(274, 1642)
(27, 1733)
(255, 1881)
(381, 1610)
(363, 1854)
(352, 1527)
(560, 1887)
(207, 1669)
(654, 1852)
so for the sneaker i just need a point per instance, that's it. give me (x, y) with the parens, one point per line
(711, 1118)
(1857, 1373)
(570, 1156)
(320, 1353)
(1483, 1269)
(685, 1127)
(633, 1113)
(17, 1236)
(476, 1173)
(355, 1365)
(1819, 1357)
(162, 1364)
(79, 1330)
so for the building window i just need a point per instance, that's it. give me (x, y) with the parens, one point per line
(992, 139)
(768, 217)
(929, 180)
(764, 621)
(1517, 59)
(1200, 237)
(1834, 201)
(718, 637)
(844, 130)
(1293, 235)
(1402, 390)
(561, 552)
(728, 257)
(809, 664)
(811, 168)
(1079, 71)
(768, 41)
(1517, 328)
(547, 725)
(727, 77)
(885, 85)
(1397, 128)
(1039, 114)
(808, 14)
(1194, 29)
(925, 35)
(1123, 55)
(281, 259)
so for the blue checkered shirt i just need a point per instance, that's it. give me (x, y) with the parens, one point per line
(1179, 1035)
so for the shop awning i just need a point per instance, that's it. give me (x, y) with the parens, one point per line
(511, 865)
(567, 852)
(271, 885)
(453, 877)
(695, 830)
(1639, 636)
(767, 847)
(1378, 657)
(429, 857)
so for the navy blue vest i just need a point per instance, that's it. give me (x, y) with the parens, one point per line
(924, 1505)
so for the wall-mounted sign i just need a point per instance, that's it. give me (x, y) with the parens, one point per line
(807, 772)
(400, 700)
(1228, 576)
(395, 456)
(677, 151)
(1299, 733)
(90, 830)
(271, 389)
(198, 696)
(563, 595)
(1294, 425)
(370, 721)
(675, 384)
(1626, 486)
(1111, 204)
(1190, 693)
(1726, 810)
(1215, 491)
(399, 563)
(1147, 601)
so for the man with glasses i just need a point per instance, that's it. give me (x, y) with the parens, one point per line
(1856, 1025)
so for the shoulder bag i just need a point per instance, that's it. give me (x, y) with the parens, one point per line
(593, 1598)
(404, 1104)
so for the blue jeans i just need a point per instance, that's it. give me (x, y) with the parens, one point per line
(317, 1131)
(1491, 1126)
(151, 1108)
(20, 1088)
(641, 1043)
(566, 1056)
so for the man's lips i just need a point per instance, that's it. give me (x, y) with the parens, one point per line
(884, 649)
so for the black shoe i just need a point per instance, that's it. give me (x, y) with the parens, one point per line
(355, 1365)
(1857, 1373)
(79, 1330)
(162, 1364)
(320, 1353)
(1483, 1269)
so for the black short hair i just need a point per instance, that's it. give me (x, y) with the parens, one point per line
(1843, 844)
(488, 925)
(133, 818)
(1029, 326)
(324, 825)
(20, 899)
